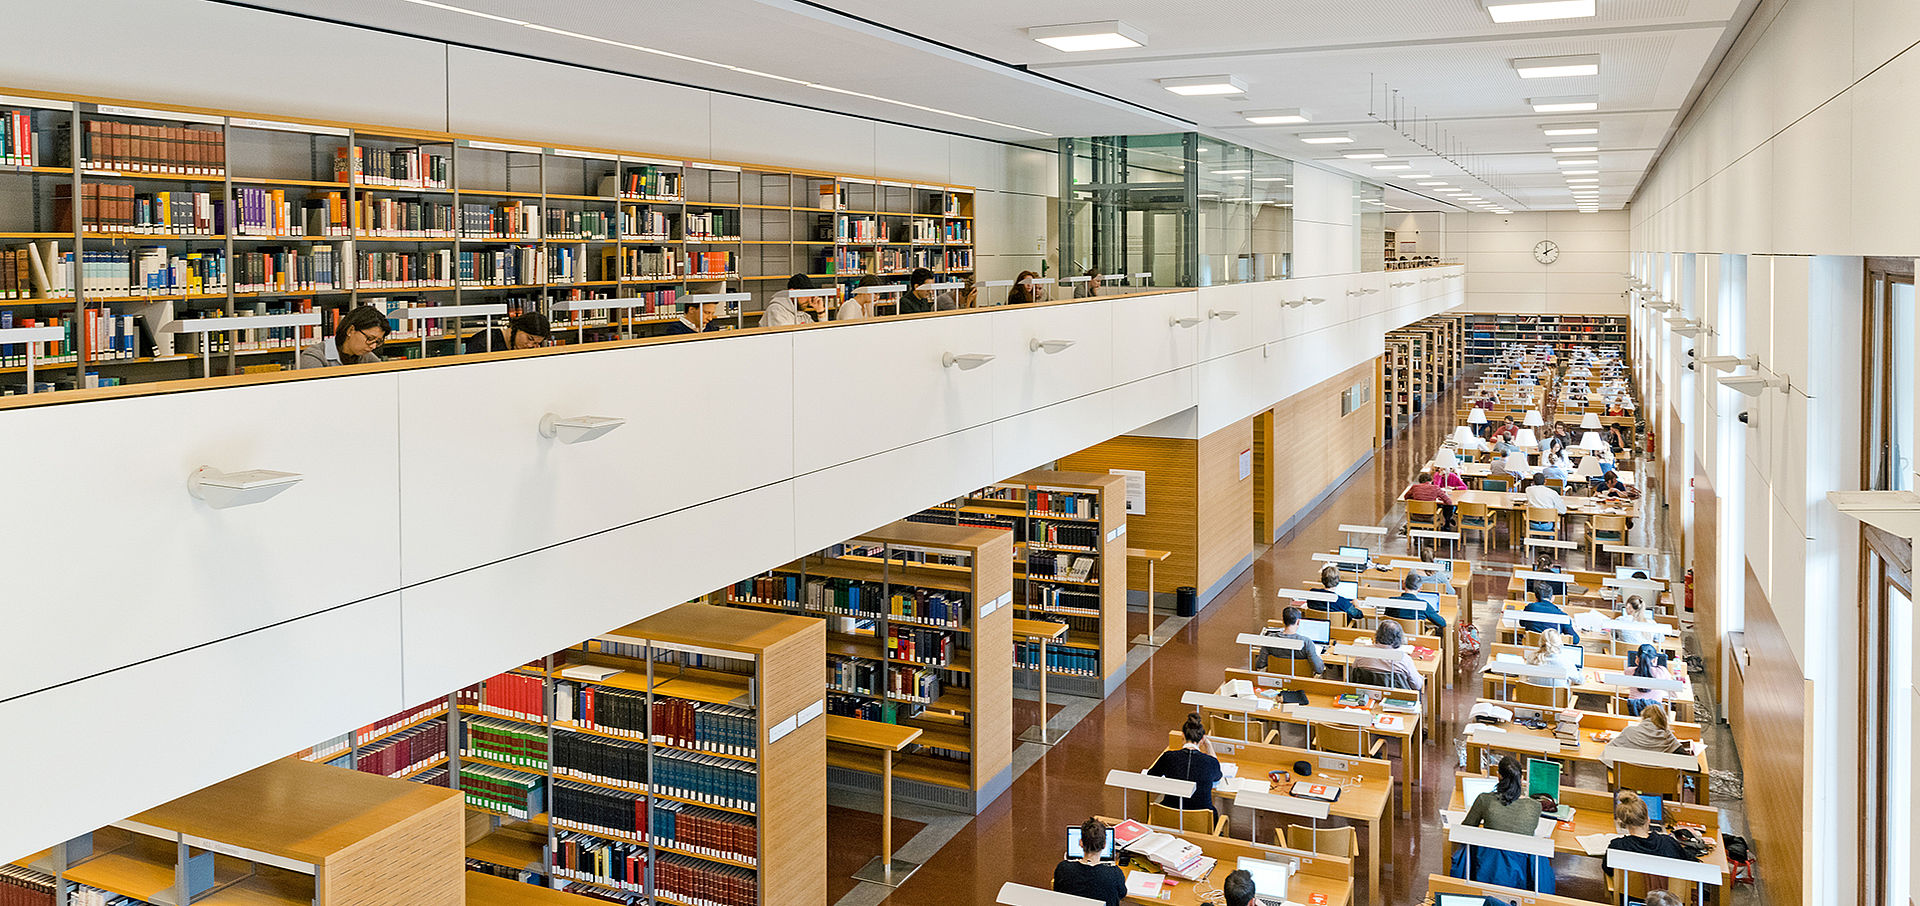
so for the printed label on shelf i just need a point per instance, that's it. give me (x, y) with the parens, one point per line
(782, 728)
(658, 162)
(707, 166)
(588, 155)
(1002, 601)
(808, 713)
(279, 126)
(110, 110)
(20, 101)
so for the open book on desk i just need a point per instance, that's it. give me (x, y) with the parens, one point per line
(1180, 858)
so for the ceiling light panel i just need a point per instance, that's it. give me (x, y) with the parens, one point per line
(1580, 172)
(1575, 149)
(1393, 165)
(1112, 34)
(1578, 162)
(1364, 154)
(1571, 103)
(1204, 86)
(1556, 129)
(1278, 117)
(1536, 10)
(1557, 67)
(1325, 138)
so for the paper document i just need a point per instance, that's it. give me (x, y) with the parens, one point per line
(1145, 884)
(1595, 844)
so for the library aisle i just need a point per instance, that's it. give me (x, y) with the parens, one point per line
(1018, 837)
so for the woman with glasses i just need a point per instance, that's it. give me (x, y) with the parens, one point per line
(354, 341)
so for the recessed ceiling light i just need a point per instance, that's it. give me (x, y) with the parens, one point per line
(1364, 154)
(1578, 162)
(1582, 180)
(1269, 179)
(1199, 86)
(1084, 36)
(1570, 103)
(1469, 198)
(1231, 172)
(1570, 128)
(1411, 175)
(1325, 138)
(1442, 184)
(1536, 10)
(1557, 67)
(1279, 117)
(1580, 173)
(1393, 165)
(1575, 149)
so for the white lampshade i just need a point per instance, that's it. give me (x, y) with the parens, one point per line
(1533, 419)
(1517, 463)
(1476, 416)
(1591, 421)
(1525, 438)
(1589, 467)
(1591, 441)
(1463, 437)
(1445, 459)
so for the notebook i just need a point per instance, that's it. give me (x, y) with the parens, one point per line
(1320, 791)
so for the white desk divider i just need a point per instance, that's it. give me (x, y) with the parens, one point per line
(1261, 800)
(1525, 844)
(1148, 783)
(991, 284)
(1417, 565)
(1345, 717)
(597, 304)
(36, 335)
(1301, 594)
(206, 325)
(1678, 869)
(1628, 681)
(1642, 584)
(1527, 616)
(1636, 626)
(1073, 280)
(1534, 576)
(1143, 275)
(1487, 735)
(1045, 281)
(1340, 558)
(1673, 761)
(813, 293)
(1012, 894)
(1522, 668)
(1344, 649)
(1380, 530)
(884, 290)
(443, 312)
(1549, 542)
(1267, 641)
(1221, 702)
(701, 298)
(1630, 550)
(951, 284)
(1434, 536)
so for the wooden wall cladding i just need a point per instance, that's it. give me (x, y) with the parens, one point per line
(1225, 527)
(1706, 571)
(1311, 443)
(1771, 730)
(1169, 524)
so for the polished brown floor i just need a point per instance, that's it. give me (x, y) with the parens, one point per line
(1017, 838)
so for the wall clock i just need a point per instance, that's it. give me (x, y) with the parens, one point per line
(1546, 252)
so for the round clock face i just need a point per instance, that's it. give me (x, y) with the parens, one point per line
(1547, 252)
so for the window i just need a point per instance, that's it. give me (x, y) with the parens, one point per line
(1889, 356)
(1354, 397)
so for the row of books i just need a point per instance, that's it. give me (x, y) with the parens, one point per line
(645, 183)
(83, 895)
(862, 708)
(853, 675)
(394, 722)
(36, 270)
(518, 265)
(110, 207)
(566, 224)
(616, 711)
(959, 259)
(643, 222)
(644, 302)
(159, 271)
(52, 352)
(1073, 661)
(1071, 534)
(641, 263)
(611, 863)
(19, 145)
(519, 795)
(404, 752)
(1063, 503)
(914, 684)
(403, 218)
(711, 225)
(610, 761)
(513, 695)
(509, 742)
(262, 212)
(22, 886)
(925, 605)
(503, 219)
(858, 229)
(705, 831)
(706, 779)
(1045, 564)
(1053, 597)
(595, 810)
(401, 167)
(328, 749)
(110, 145)
(934, 232)
(703, 726)
(921, 646)
(689, 880)
(405, 269)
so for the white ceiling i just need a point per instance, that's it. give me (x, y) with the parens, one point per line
(1446, 58)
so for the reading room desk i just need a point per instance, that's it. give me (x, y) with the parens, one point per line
(1321, 879)
(1588, 749)
(1326, 694)
(1593, 814)
(1438, 884)
(888, 739)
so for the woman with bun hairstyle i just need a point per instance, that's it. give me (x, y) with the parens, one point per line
(1193, 761)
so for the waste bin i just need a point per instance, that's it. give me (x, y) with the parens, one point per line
(1185, 599)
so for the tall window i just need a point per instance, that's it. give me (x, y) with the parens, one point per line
(1889, 356)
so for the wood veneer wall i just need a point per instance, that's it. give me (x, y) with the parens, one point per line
(1706, 572)
(1310, 444)
(1771, 731)
(1225, 527)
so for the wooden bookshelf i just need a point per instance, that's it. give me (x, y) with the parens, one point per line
(940, 587)
(477, 220)
(1488, 333)
(1420, 362)
(1092, 658)
(329, 838)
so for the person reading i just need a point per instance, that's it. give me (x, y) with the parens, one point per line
(355, 340)
(526, 330)
(1290, 629)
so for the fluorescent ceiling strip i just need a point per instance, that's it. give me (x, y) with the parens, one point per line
(1204, 86)
(1536, 10)
(1080, 37)
(1325, 138)
(1557, 67)
(1277, 117)
(1364, 154)
(1576, 149)
(1572, 103)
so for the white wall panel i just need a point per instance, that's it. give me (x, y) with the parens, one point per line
(1023, 378)
(1882, 208)
(1145, 341)
(148, 570)
(1813, 181)
(196, 717)
(517, 98)
(850, 416)
(1032, 439)
(749, 130)
(905, 153)
(837, 503)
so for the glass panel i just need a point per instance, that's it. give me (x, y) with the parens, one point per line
(1900, 741)
(1370, 225)
(1900, 390)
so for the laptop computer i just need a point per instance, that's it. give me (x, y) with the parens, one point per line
(1269, 878)
(1320, 631)
(1361, 555)
(1459, 899)
(1472, 787)
(1348, 590)
(1655, 807)
(1073, 845)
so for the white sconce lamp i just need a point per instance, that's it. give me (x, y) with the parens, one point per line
(1730, 362)
(966, 361)
(1315, 300)
(1050, 347)
(573, 429)
(1222, 314)
(221, 490)
(1182, 322)
(1752, 384)
(1294, 303)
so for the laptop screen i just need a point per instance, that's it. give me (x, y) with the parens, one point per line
(1073, 845)
(1320, 631)
(1543, 777)
(1459, 899)
(1472, 787)
(1269, 878)
(1348, 590)
(1357, 553)
(1654, 808)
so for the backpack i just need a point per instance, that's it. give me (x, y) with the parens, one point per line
(1738, 849)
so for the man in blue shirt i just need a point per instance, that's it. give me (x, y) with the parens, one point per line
(1329, 580)
(1543, 603)
(1408, 592)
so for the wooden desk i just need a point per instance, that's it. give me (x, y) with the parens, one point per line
(1325, 694)
(1330, 876)
(1514, 633)
(1152, 557)
(1039, 632)
(888, 739)
(1681, 703)
(1589, 750)
(1514, 506)
(487, 890)
(1443, 884)
(1366, 785)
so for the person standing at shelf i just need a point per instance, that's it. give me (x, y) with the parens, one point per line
(1025, 289)
(526, 330)
(354, 342)
(1089, 876)
(1193, 761)
(702, 317)
(918, 297)
(783, 310)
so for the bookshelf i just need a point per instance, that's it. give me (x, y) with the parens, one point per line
(919, 633)
(180, 213)
(1487, 333)
(1419, 362)
(1069, 531)
(410, 745)
(331, 838)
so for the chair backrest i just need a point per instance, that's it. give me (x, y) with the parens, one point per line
(1473, 511)
(1368, 676)
(1193, 820)
(1604, 523)
(1422, 508)
(1227, 726)
(1341, 740)
(1343, 842)
(1542, 514)
(1663, 782)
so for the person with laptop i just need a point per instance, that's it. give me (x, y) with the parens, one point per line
(1194, 762)
(1092, 873)
(1553, 652)
(1290, 629)
(1635, 611)
(1428, 609)
(1441, 578)
(1508, 809)
(1330, 583)
(1543, 603)
(1391, 659)
(1637, 834)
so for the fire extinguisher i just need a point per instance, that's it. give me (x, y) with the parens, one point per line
(1652, 447)
(1689, 587)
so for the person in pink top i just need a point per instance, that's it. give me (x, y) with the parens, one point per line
(1449, 480)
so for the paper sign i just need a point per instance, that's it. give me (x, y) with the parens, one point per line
(1136, 489)
(1246, 463)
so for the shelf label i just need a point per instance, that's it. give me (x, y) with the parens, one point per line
(658, 162)
(782, 729)
(110, 110)
(285, 127)
(587, 155)
(706, 166)
(19, 101)
(808, 713)
(501, 146)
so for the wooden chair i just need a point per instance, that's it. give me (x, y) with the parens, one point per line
(1558, 484)
(1543, 522)
(1663, 782)
(1422, 514)
(1227, 726)
(1501, 485)
(1192, 820)
(1602, 529)
(1476, 517)
(1353, 741)
(1343, 842)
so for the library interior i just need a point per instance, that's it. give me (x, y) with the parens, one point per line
(1305, 454)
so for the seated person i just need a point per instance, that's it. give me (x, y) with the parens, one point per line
(1427, 611)
(1289, 629)
(1087, 876)
(1543, 603)
(1449, 480)
(1650, 663)
(1546, 498)
(783, 310)
(355, 340)
(1426, 489)
(1552, 652)
(1558, 466)
(1237, 889)
(1648, 734)
(1441, 578)
(1329, 580)
(1637, 834)
(1507, 809)
(697, 318)
(1636, 611)
(1612, 487)
(1193, 761)
(1024, 290)
(1391, 658)
(1506, 431)
(526, 330)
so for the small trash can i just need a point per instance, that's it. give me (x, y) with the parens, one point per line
(1185, 599)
